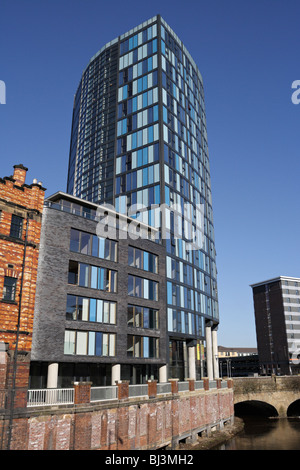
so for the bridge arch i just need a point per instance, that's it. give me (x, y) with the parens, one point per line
(255, 408)
(294, 409)
(281, 392)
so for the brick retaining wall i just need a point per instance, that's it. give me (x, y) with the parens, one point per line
(122, 424)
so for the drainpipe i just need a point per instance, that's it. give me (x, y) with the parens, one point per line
(17, 340)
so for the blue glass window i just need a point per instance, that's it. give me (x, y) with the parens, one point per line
(167, 195)
(94, 277)
(156, 152)
(145, 100)
(151, 200)
(157, 194)
(145, 176)
(165, 114)
(145, 82)
(140, 158)
(144, 66)
(134, 104)
(134, 140)
(151, 174)
(150, 115)
(101, 279)
(134, 122)
(145, 155)
(169, 293)
(98, 349)
(150, 134)
(140, 85)
(92, 309)
(118, 185)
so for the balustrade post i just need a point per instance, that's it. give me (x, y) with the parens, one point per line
(206, 383)
(174, 385)
(82, 392)
(152, 388)
(191, 385)
(123, 389)
(229, 383)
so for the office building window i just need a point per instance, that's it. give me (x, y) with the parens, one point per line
(9, 288)
(142, 260)
(89, 343)
(16, 227)
(142, 346)
(142, 317)
(91, 310)
(89, 244)
(94, 277)
(144, 288)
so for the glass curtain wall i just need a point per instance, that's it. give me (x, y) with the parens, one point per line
(141, 144)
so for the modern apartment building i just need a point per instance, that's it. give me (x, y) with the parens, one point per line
(277, 317)
(100, 312)
(139, 144)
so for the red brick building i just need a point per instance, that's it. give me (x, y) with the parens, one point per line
(21, 208)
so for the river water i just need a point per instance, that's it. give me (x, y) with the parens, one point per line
(266, 434)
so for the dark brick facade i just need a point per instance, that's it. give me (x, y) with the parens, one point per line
(270, 328)
(50, 310)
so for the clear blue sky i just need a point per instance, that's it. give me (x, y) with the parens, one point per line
(247, 52)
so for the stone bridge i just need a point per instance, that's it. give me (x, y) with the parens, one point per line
(273, 396)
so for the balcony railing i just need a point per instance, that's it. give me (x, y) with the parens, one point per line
(50, 396)
(104, 393)
(65, 396)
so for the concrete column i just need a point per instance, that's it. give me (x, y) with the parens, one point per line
(163, 373)
(192, 362)
(209, 360)
(52, 377)
(215, 353)
(115, 373)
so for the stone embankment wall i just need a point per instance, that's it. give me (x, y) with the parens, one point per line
(277, 391)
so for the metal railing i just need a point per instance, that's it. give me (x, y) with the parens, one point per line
(199, 384)
(183, 386)
(65, 396)
(50, 396)
(140, 390)
(163, 388)
(104, 393)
